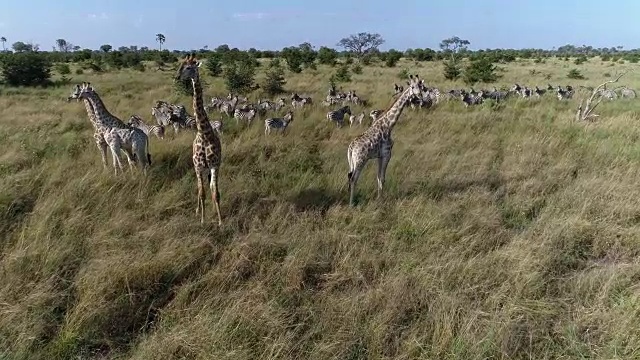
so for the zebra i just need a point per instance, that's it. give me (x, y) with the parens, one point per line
(338, 115)
(228, 107)
(358, 119)
(217, 126)
(244, 114)
(298, 102)
(539, 92)
(278, 123)
(157, 130)
(608, 94)
(469, 99)
(165, 115)
(564, 94)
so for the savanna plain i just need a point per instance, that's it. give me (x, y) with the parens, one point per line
(506, 231)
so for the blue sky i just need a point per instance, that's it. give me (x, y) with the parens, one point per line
(274, 24)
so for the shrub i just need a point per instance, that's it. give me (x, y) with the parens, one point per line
(139, 67)
(342, 74)
(575, 74)
(452, 70)
(481, 70)
(580, 60)
(238, 76)
(63, 69)
(356, 69)
(274, 80)
(403, 74)
(79, 72)
(26, 69)
(214, 64)
(327, 56)
(392, 58)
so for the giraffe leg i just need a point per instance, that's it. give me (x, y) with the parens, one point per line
(200, 208)
(382, 170)
(353, 180)
(115, 150)
(215, 196)
(102, 146)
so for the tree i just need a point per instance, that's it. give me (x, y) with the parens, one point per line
(214, 64)
(26, 69)
(20, 46)
(274, 80)
(454, 46)
(361, 43)
(106, 48)
(327, 56)
(480, 70)
(160, 39)
(239, 75)
(61, 44)
(3, 40)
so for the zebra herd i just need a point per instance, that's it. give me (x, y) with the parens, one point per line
(239, 107)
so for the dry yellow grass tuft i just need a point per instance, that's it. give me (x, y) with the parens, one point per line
(505, 232)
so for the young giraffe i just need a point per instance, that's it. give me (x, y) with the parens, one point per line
(207, 150)
(98, 136)
(117, 134)
(376, 142)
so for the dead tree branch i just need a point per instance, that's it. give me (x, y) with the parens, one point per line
(586, 113)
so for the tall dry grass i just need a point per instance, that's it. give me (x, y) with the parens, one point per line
(505, 232)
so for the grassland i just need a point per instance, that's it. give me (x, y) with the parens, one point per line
(507, 232)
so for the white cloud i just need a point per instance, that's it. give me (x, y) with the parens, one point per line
(251, 16)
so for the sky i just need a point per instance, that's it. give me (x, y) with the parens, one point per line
(274, 24)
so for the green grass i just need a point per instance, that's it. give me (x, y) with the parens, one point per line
(504, 233)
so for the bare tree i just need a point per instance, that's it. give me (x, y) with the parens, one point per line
(361, 43)
(586, 113)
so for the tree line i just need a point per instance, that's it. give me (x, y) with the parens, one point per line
(27, 65)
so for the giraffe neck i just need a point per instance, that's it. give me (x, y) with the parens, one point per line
(102, 115)
(389, 119)
(90, 112)
(202, 121)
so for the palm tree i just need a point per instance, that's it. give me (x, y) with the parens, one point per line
(160, 39)
(3, 40)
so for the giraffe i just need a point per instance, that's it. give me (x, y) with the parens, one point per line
(376, 142)
(117, 134)
(97, 135)
(207, 150)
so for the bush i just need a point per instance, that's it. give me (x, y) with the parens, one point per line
(139, 67)
(214, 64)
(580, 60)
(79, 72)
(357, 69)
(26, 69)
(403, 74)
(392, 57)
(63, 69)
(327, 56)
(575, 74)
(452, 70)
(274, 80)
(342, 74)
(481, 70)
(238, 76)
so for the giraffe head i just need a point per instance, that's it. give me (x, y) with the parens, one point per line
(75, 93)
(79, 91)
(415, 86)
(188, 69)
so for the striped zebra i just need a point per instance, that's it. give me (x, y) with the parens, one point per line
(278, 123)
(338, 115)
(564, 94)
(165, 115)
(298, 102)
(157, 130)
(217, 126)
(247, 114)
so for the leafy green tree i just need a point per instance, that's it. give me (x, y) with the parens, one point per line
(3, 40)
(160, 39)
(361, 43)
(214, 64)
(274, 80)
(26, 69)
(480, 70)
(106, 48)
(327, 56)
